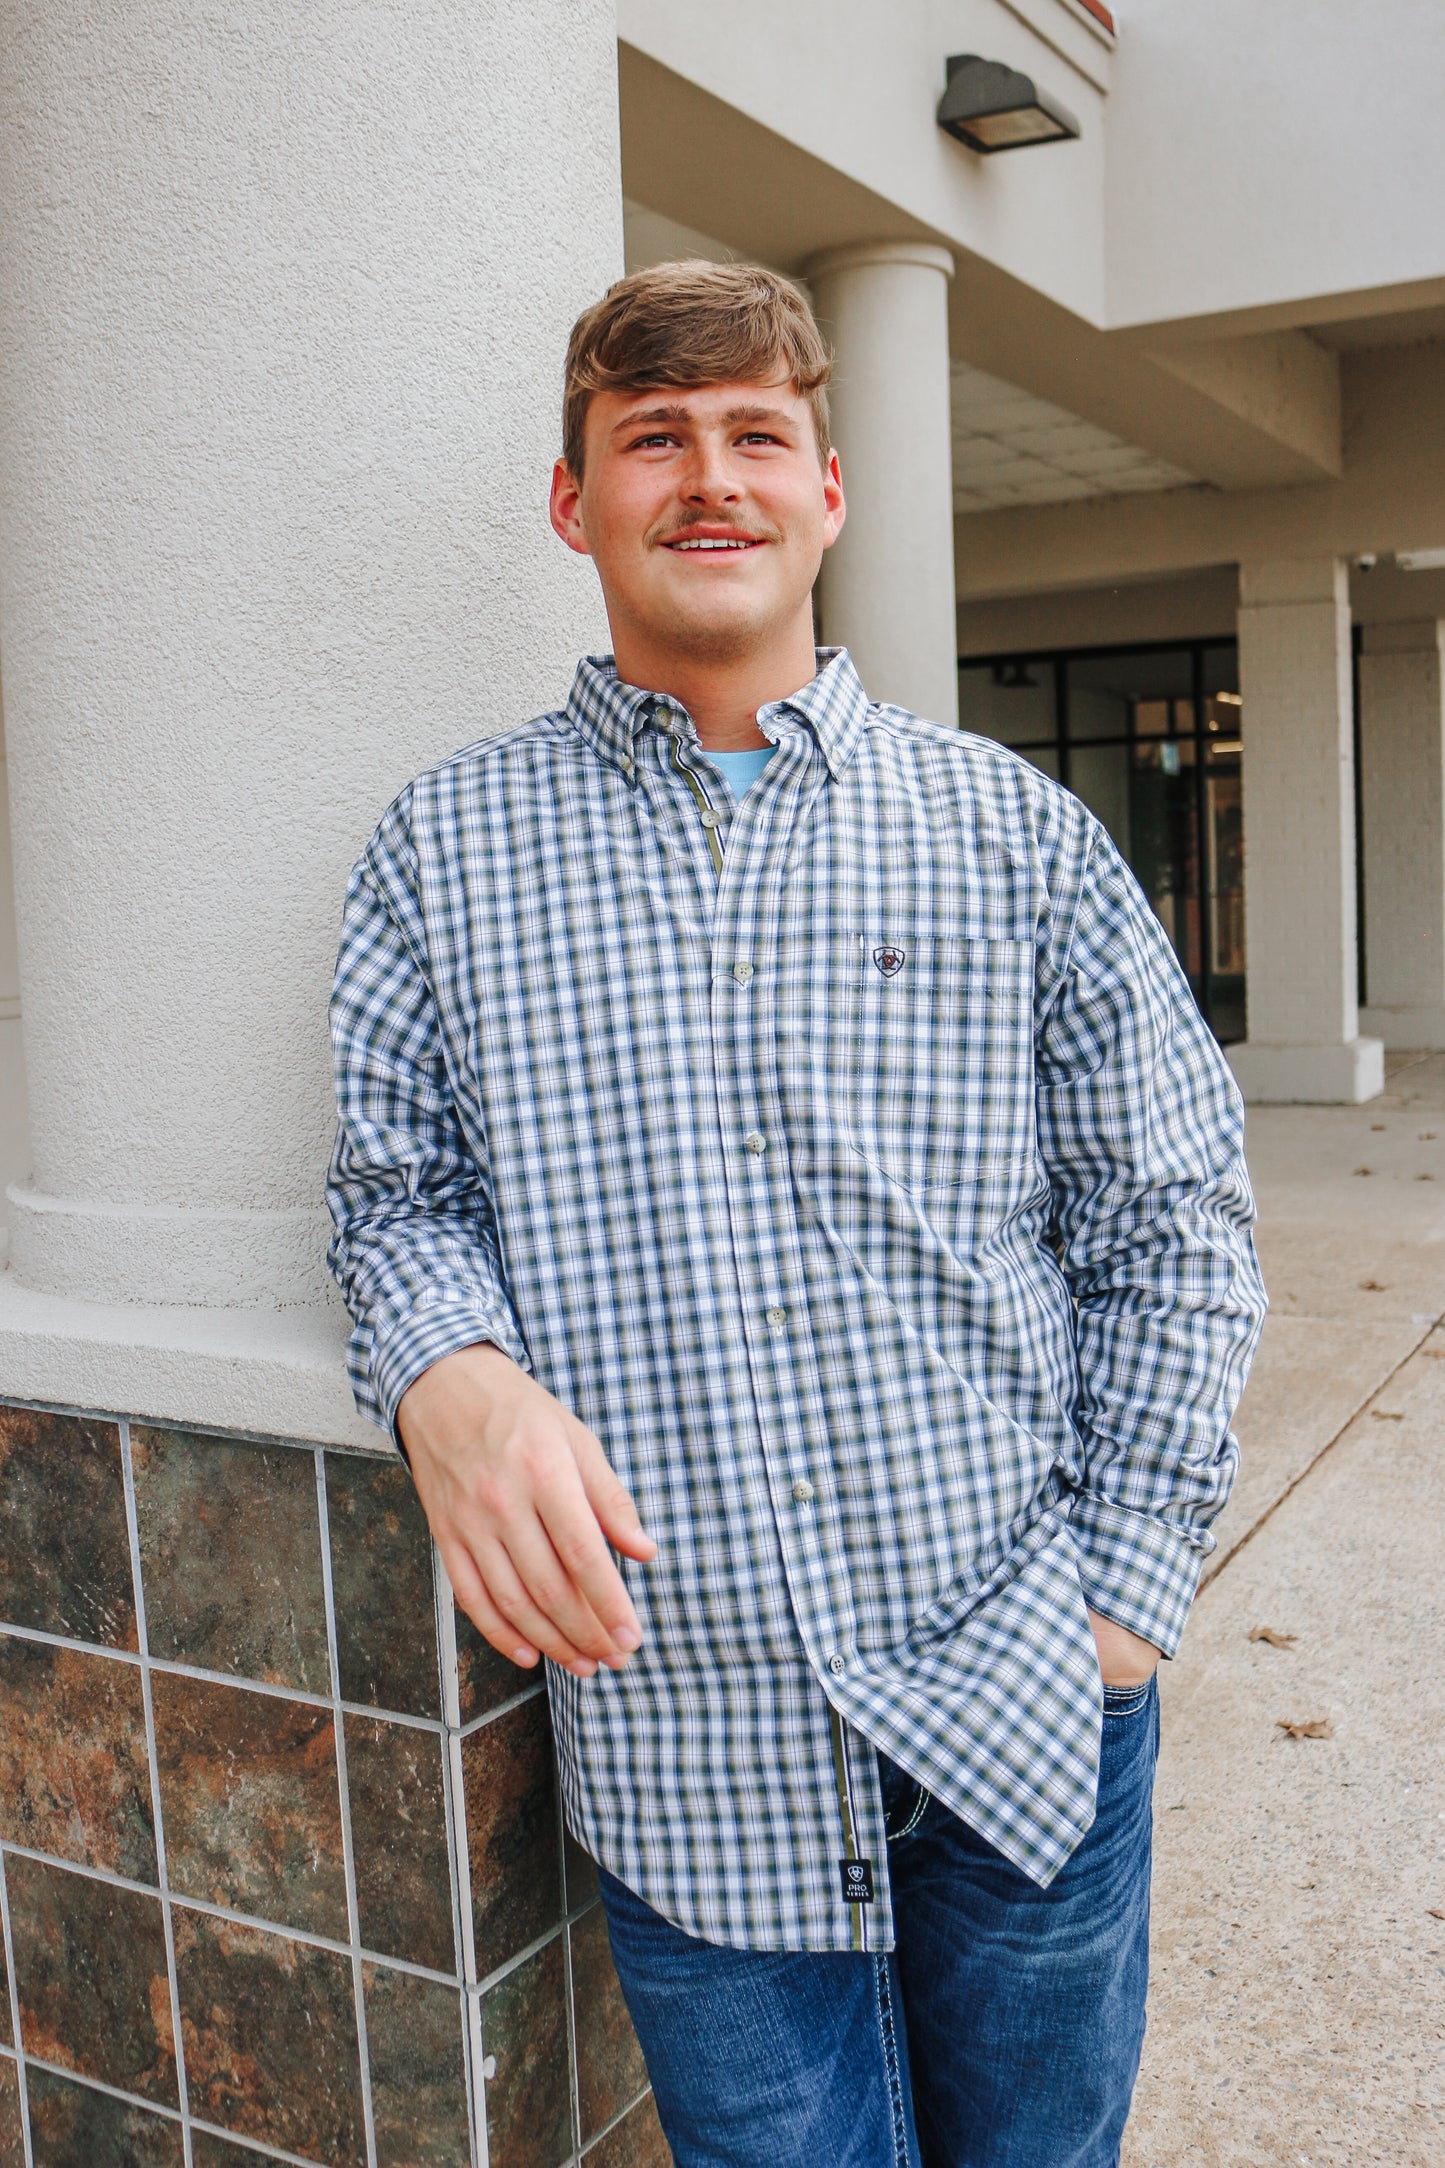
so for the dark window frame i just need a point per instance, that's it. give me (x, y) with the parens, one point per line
(1057, 659)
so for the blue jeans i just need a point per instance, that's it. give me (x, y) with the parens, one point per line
(1003, 2032)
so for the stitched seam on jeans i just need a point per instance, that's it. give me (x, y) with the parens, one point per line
(919, 1807)
(890, 2063)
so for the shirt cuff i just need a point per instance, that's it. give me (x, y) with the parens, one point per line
(1137, 1570)
(400, 1346)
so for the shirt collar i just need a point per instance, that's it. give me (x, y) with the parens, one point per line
(609, 714)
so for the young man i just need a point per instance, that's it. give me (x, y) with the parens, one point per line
(778, 1124)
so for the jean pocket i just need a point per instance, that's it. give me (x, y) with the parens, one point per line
(1127, 1700)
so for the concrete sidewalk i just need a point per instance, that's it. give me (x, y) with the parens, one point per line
(1297, 2013)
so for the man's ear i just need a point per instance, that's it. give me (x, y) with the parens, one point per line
(835, 510)
(566, 509)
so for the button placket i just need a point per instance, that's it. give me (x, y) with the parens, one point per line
(769, 1259)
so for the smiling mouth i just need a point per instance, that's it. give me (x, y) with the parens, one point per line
(700, 543)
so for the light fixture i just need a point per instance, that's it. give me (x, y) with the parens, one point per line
(993, 108)
(1420, 560)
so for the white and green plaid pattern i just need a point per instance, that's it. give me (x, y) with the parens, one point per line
(856, 1163)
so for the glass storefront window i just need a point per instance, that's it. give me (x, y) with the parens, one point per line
(1150, 738)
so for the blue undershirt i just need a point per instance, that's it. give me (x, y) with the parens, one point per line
(741, 770)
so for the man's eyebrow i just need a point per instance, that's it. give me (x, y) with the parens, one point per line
(677, 411)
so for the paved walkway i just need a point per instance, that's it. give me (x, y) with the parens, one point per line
(1298, 2005)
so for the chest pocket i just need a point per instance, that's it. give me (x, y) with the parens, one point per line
(941, 1056)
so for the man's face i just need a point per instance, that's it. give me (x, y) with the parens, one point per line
(706, 511)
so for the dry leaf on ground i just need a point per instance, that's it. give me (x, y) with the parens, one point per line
(1388, 1415)
(1436, 1913)
(1364, 1170)
(1318, 1727)
(1375, 1287)
(1273, 1636)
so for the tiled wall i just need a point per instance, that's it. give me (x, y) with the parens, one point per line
(284, 1872)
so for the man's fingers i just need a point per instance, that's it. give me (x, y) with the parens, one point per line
(559, 1585)
(509, 1592)
(609, 1499)
(592, 1578)
(471, 1594)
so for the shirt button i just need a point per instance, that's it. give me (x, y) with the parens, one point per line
(837, 1665)
(803, 1491)
(711, 819)
(776, 1316)
(742, 973)
(755, 1143)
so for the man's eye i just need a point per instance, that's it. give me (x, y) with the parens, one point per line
(643, 443)
(759, 436)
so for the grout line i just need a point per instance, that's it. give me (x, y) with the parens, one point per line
(348, 1852)
(608, 2128)
(262, 2148)
(112, 2092)
(15, 2034)
(503, 1708)
(132, 1526)
(514, 1964)
(1329, 1445)
(454, 1802)
(176, 1670)
(231, 1918)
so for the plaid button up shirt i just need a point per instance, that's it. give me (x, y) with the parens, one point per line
(855, 1162)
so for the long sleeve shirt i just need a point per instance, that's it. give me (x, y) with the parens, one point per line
(854, 1161)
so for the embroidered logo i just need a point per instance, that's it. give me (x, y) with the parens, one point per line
(857, 1879)
(890, 961)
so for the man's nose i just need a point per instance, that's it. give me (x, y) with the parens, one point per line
(709, 479)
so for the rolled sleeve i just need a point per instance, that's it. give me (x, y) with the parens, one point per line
(414, 1249)
(1141, 1128)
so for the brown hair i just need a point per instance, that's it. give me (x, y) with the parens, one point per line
(691, 323)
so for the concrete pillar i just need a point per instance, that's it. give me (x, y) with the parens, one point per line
(887, 583)
(286, 299)
(1402, 786)
(1299, 828)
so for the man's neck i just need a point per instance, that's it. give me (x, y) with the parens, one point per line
(722, 697)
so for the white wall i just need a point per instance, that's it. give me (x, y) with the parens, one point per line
(1265, 152)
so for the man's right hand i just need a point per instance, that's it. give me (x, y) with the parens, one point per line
(523, 1506)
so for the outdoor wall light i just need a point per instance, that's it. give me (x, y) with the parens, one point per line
(993, 108)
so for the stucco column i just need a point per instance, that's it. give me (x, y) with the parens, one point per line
(286, 298)
(887, 584)
(1299, 826)
(1402, 786)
